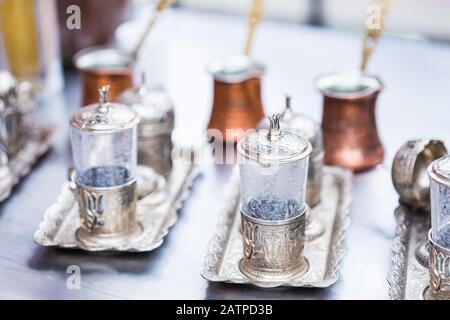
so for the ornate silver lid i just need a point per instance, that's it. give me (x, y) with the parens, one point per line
(440, 170)
(153, 106)
(15, 97)
(104, 116)
(8, 86)
(300, 124)
(274, 145)
(235, 69)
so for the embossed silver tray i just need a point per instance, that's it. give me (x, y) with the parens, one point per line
(324, 253)
(157, 212)
(36, 141)
(407, 277)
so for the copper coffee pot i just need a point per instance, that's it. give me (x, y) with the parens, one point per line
(348, 123)
(97, 29)
(237, 105)
(100, 66)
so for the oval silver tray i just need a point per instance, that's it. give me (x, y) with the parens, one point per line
(36, 142)
(407, 277)
(324, 253)
(156, 212)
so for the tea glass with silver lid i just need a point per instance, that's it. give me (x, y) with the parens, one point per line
(104, 148)
(309, 129)
(16, 100)
(439, 235)
(273, 168)
(155, 127)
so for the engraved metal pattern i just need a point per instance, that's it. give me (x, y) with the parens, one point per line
(16, 100)
(156, 152)
(107, 211)
(35, 142)
(406, 168)
(439, 271)
(273, 249)
(11, 133)
(324, 254)
(408, 277)
(93, 208)
(155, 215)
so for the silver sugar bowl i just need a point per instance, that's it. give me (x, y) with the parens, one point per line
(439, 235)
(309, 129)
(16, 100)
(155, 128)
(273, 166)
(104, 149)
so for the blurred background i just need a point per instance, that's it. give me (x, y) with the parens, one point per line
(425, 18)
(34, 38)
(298, 40)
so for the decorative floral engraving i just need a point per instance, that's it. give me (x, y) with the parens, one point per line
(439, 270)
(93, 205)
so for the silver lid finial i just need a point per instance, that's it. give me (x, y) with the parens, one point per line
(288, 101)
(274, 127)
(142, 89)
(104, 101)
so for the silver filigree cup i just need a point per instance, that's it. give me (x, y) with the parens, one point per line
(104, 139)
(273, 167)
(156, 125)
(439, 236)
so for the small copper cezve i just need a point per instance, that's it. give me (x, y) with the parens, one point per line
(348, 122)
(101, 66)
(237, 105)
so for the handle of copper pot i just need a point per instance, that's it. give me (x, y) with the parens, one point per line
(26, 99)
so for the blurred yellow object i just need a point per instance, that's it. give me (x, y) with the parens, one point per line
(18, 24)
(29, 43)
